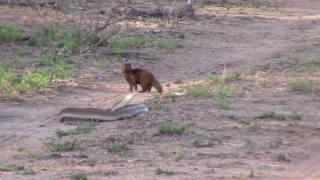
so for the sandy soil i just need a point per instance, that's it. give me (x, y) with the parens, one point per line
(256, 41)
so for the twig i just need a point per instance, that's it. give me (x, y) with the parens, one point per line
(97, 31)
(99, 43)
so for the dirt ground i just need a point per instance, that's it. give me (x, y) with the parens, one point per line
(254, 40)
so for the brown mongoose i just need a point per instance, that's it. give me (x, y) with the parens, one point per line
(140, 76)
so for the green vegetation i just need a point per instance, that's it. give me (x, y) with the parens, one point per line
(272, 114)
(180, 155)
(164, 43)
(224, 78)
(267, 114)
(121, 44)
(79, 176)
(216, 79)
(172, 92)
(222, 97)
(299, 85)
(279, 116)
(165, 171)
(117, 149)
(296, 116)
(60, 146)
(99, 63)
(50, 33)
(199, 144)
(161, 152)
(27, 170)
(80, 155)
(9, 33)
(12, 167)
(199, 91)
(157, 106)
(20, 148)
(33, 78)
(311, 63)
(244, 121)
(247, 141)
(81, 129)
(38, 156)
(173, 128)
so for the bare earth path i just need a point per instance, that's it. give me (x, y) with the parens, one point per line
(248, 39)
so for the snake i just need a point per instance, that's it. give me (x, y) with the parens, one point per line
(120, 110)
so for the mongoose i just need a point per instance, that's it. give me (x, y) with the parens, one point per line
(140, 76)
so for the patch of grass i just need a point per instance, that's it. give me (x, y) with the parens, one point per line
(244, 121)
(161, 152)
(38, 156)
(198, 144)
(14, 82)
(226, 77)
(80, 129)
(50, 33)
(9, 33)
(17, 156)
(247, 142)
(180, 155)
(216, 79)
(12, 167)
(117, 149)
(222, 97)
(277, 55)
(109, 172)
(311, 63)
(173, 92)
(60, 146)
(299, 85)
(267, 114)
(71, 37)
(92, 160)
(99, 63)
(20, 148)
(296, 116)
(279, 116)
(164, 43)
(272, 114)
(155, 94)
(80, 155)
(223, 103)
(8, 64)
(121, 44)
(20, 52)
(289, 60)
(232, 76)
(157, 106)
(165, 171)
(199, 91)
(79, 176)
(31, 79)
(28, 170)
(173, 128)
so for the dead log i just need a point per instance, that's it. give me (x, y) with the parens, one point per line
(184, 10)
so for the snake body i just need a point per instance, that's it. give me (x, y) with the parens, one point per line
(119, 111)
(102, 115)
